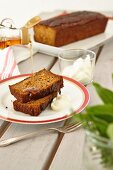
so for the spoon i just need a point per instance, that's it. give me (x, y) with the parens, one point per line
(33, 21)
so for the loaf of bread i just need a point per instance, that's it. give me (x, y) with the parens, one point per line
(65, 29)
(34, 107)
(38, 85)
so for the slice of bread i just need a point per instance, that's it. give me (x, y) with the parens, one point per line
(34, 107)
(38, 85)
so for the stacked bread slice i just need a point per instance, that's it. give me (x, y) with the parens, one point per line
(34, 93)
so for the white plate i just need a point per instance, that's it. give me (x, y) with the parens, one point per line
(88, 43)
(77, 93)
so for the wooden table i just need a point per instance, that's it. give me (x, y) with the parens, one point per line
(53, 151)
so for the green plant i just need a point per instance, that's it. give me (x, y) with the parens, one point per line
(98, 119)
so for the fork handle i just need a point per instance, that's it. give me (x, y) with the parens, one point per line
(10, 141)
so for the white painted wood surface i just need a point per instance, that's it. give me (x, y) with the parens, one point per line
(1, 121)
(40, 61)
(29, 154)
(69, 154)
(33, 154)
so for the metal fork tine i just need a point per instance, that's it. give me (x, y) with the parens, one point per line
(74, 128)
(71, 127)
(68, 125)
(64, 129)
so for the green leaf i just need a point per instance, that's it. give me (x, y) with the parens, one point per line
(106, 95)
(110, 131)
(99, 120)
(104, 112)
(97, 124)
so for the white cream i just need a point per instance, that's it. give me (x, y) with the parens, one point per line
(60, 102)
(81, 70)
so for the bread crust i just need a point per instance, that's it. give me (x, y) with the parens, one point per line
(34, 108)
(62, 30)
(34, 88)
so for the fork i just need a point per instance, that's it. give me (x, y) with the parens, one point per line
(64, 129)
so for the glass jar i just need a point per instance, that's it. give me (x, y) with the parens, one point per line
(98, 153)
(9, 35)
(77, 64)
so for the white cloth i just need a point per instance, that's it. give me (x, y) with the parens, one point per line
(11, 56)
(8, 66)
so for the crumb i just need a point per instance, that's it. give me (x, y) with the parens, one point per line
(6, 107)
(11, 101)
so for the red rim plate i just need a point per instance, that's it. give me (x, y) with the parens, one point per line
(85, 103)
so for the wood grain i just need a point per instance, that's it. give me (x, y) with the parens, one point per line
(24, 68)
(1, 121)
(4, 126)
(40, 61)
(32, 153)
(35, 153)
(69, 154)
(28, 154)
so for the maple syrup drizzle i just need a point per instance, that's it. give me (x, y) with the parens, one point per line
(32, 62)
(31, 56)
(7, 43)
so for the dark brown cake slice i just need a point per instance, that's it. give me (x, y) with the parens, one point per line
(34, 107)
(41, 84)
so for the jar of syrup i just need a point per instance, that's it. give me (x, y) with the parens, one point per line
(10, 35)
